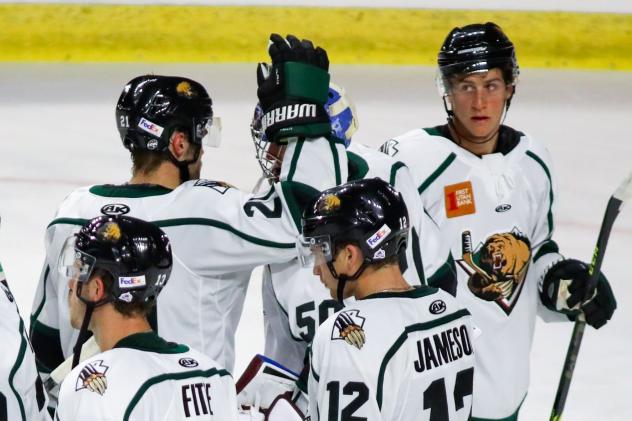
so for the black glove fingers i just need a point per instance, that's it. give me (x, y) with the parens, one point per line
(279, 48)
(322, 59)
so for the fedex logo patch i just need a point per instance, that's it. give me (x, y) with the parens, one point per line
(459, 199)
(375, 240)
(150, 127)
(130, 282)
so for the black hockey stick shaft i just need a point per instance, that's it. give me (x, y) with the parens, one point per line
(612, 210)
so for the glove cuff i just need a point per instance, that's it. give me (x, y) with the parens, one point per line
(295, 119)
(305, 82)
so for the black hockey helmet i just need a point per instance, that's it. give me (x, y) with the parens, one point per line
(136, 253)
(477, 48)
(368, 213)
(152, 106)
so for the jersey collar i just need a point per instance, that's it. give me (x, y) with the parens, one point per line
(150, 342)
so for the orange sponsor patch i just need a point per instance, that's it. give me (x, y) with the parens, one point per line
(459, 199)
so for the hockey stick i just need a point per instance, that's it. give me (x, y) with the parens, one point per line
(466, 244)
(615, 204)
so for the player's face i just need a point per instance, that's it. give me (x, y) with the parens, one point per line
(478, 102)
(321, 269)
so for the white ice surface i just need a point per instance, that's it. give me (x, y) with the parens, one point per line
(58, 133)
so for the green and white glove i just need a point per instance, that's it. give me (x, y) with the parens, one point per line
(293, 90)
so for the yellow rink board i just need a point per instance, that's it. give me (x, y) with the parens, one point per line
(126, 33)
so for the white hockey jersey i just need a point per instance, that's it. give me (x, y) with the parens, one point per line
(146, 378)
(295, 302)
(496, 213)
(218, 235)
(22, 396)
(395, 356)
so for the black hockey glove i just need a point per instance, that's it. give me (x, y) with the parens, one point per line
(294, 89)
(564, 289)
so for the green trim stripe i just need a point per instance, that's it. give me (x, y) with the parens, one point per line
(547, 247)
(166, 377)
(402, 338)
(171, 33)
(40, 307)
(548, 174)
(194, 221)
(16, 366)
(444, 165)
(419, 266)
(221, 225)
(297, 154)
(396, 166)
(334, 153)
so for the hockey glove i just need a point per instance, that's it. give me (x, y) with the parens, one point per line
(294, 89)
(564, 289)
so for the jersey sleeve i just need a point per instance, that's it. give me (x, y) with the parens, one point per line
(22, 395)
(252, 230)
(45, 318)
(545, 251)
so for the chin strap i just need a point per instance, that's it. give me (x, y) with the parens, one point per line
(84, 334)
(343, 278)
(183, 166)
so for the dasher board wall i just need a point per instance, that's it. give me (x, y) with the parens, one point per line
(547, 34)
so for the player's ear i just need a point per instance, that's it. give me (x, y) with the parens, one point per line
(178, 143)
(98, 288)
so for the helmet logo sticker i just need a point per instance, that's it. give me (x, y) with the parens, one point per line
(92, 377)
(152, 144)
(150, 127)
(114, 209)
(184, 89)
(348, 327)
(328, 204)
(381, 234)
(131, 282)
(126, 297)
(380, 254)
(110, 231)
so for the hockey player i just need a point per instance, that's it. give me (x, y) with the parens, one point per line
(22, 396)
(116, 268)
(218, 232)
(490, 189)
(295, 302)
(398, 352)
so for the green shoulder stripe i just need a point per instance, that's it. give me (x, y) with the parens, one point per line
(433, 131)
(166, 377)
(37, 312)
(294, 162)
(396, 166)
(297, 195)
(334, 153)
(444, 165)
(358, 166)
(16, 366)
(402, 338)
(548, 174)
(68, 221)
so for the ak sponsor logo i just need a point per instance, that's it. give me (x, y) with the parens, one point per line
(503, 208)
(92, 377)
(459, 200)
(150, 127)
(132, 282)
(188, 362)
(348, 326)
(114, 209)
(288, 112)
(379, 236)
(437, 307)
